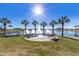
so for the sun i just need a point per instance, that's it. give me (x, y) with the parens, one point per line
(38, 10)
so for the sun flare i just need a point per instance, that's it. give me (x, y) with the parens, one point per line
(38, 10)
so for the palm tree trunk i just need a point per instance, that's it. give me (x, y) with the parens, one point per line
(43, 30)
(75, 32)
(25, 30)
(35, 29)
(53, 30)
(62, 30)
(5, 29)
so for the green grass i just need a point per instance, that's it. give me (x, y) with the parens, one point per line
(20, 46)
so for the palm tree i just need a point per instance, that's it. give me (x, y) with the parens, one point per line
(4, 21)
(52, 23)
(25, 22)
(62, 21)
(35, 24)
(43, 24)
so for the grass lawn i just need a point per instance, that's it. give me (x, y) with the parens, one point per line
(20, 46)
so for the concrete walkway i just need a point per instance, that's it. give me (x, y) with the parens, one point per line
(73, 37)
(40, 38)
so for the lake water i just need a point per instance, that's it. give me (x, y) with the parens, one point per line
(12, 33)
(66, 33)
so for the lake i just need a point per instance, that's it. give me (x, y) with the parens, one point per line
(67, 33)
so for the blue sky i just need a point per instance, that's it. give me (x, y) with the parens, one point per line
(20, 11)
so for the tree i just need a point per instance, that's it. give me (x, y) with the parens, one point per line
(43, 24)
(4, 21)
(25, 22)
(52, 23)
(35, 24)
(62, 21)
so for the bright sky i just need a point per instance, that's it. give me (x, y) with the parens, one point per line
(18, 12)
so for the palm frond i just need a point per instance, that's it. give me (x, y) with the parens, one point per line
(53, 22)
(25, 22)
(43, 23)
(35, 22)
(5, 20)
